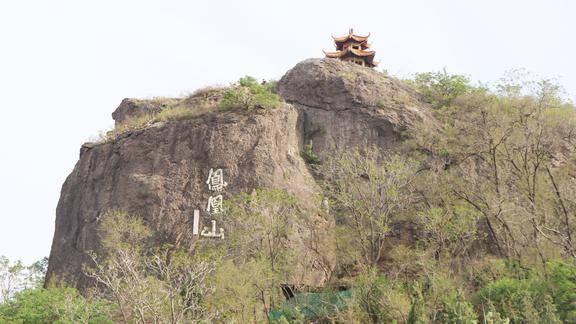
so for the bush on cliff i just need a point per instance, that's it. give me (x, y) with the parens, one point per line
(249, 94)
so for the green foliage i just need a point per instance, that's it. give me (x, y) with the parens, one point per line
(376, 299)
(292, 316)
(440, 88)
(447, 231)
(243, 291)
(119, 230)
(521, 301)
(491, 316)
(55, 305)
(309, 156)
(562, 284)
(455, 309)
(249, 288)
(249, 94)
(417, 313)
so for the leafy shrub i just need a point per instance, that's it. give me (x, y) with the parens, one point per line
(491, 316)
(376, 299)
(249, 94)
(455, 310)
(55, 305)
(562, 284)
(417, 313)
(309, 156)
(522, 301)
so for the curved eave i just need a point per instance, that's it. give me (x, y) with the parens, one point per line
(363, 45)
(346, 38)
(337, 54)
(362, 53)
(368, 56)
(353, 52)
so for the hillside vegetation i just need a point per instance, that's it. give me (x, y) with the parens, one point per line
(471, 220)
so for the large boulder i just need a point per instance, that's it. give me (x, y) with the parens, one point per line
(344, 104)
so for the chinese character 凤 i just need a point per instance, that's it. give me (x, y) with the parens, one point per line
(215, 180)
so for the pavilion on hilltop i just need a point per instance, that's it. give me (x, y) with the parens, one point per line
(353, 48)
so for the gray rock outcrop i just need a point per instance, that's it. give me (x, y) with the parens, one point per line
(159, 173)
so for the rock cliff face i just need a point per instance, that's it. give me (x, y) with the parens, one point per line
(159, 173)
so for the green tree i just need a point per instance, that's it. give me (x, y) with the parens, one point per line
(499, 153)
(367, 191)
(440, 88)
(147, 283)
(15, 276)
(260, 246)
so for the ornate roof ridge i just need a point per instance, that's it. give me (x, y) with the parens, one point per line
(351, 35)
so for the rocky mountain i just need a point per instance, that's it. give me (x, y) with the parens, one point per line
(159, 172)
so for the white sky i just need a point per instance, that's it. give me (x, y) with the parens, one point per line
(66, 65)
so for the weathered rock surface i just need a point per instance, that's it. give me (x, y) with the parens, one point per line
(159, 173)
(343, 104)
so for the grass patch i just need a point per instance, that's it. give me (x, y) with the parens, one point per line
(247, 94)
(199, 103)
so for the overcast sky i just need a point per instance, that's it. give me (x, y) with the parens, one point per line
(66, 65)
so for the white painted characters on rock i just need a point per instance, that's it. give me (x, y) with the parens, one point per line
(214, 205)
(215, 180)
(212, 232)
(215, 183)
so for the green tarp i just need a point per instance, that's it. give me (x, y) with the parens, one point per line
(312, 305)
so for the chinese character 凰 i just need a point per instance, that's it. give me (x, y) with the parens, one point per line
(215, 180)
(214, 205)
